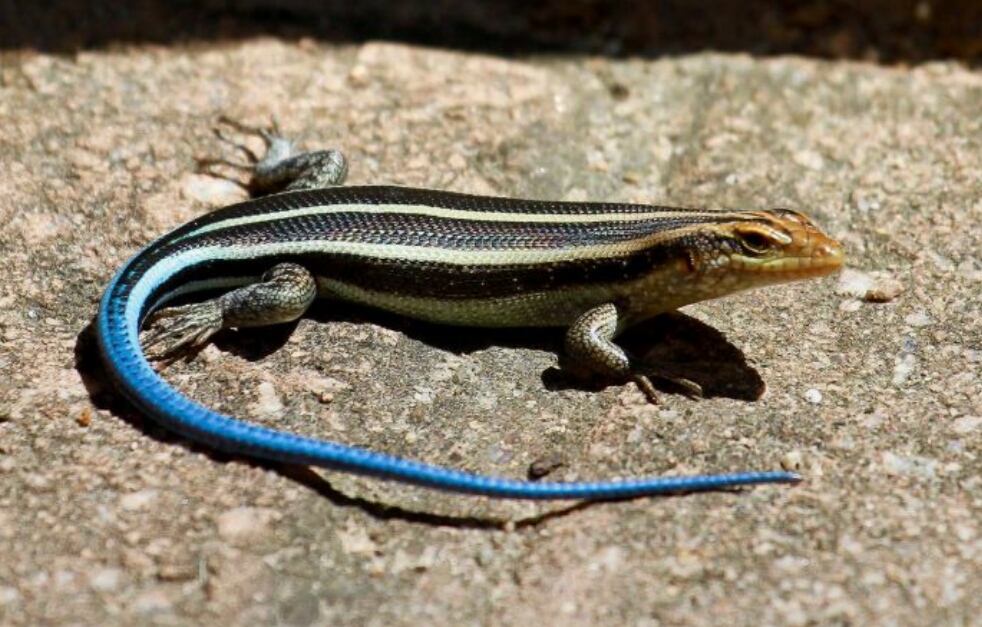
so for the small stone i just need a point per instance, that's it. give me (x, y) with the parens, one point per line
(322, 386)
(545, 466)
(136, 501)
(268, 404)
(793, 461)
(355, 540)
(106, 579)
(871, 287)
(84, 418)
(809, 159)
(245, 525)
(358, 76)
(884, 291)
(813, 396)
(918, 319)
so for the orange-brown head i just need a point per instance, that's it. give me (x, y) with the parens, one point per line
(720, 253)
(777, 245)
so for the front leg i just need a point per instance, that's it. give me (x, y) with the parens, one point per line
(590, 344)
(283, 294)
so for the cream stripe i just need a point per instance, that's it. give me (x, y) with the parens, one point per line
(451, 256)
(456, 214)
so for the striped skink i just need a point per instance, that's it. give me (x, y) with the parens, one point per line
(594, 268)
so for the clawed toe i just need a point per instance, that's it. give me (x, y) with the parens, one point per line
(177, 328)
(687, 387)
(270, 136)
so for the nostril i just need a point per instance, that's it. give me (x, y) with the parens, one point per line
(831, 250)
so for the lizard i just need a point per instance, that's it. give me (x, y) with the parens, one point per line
(594, 268)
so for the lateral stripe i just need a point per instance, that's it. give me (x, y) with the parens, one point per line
(457, 214)
(382, 200)
(190, 257)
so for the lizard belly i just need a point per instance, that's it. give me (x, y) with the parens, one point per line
(550, 308)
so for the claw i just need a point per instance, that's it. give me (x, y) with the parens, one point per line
(266, 171)
(242, 127)
(176, 328)
(688, 387)
(269, 135)
(644, 384)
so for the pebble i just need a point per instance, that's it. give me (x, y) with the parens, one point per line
(135, 501)
(871, 287)
(793, 461)
(918, 319)
(268, 404)
(244, 525)
(544, 466)
(106, 579)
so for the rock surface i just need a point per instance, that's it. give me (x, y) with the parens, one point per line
(105, 519)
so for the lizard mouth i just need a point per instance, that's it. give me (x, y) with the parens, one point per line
(816, 260)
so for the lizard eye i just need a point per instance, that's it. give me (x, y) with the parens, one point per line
(755, 242)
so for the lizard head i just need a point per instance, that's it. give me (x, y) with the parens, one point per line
(720, 253)
(757, 248)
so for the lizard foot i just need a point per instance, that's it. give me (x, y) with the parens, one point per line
(186, 326)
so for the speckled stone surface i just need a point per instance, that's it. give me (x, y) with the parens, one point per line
(104, 519)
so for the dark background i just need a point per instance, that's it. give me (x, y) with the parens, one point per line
(885, 31)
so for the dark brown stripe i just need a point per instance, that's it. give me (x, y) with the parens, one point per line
(440, 280)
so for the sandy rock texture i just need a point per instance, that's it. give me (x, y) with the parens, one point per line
(873, 378)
